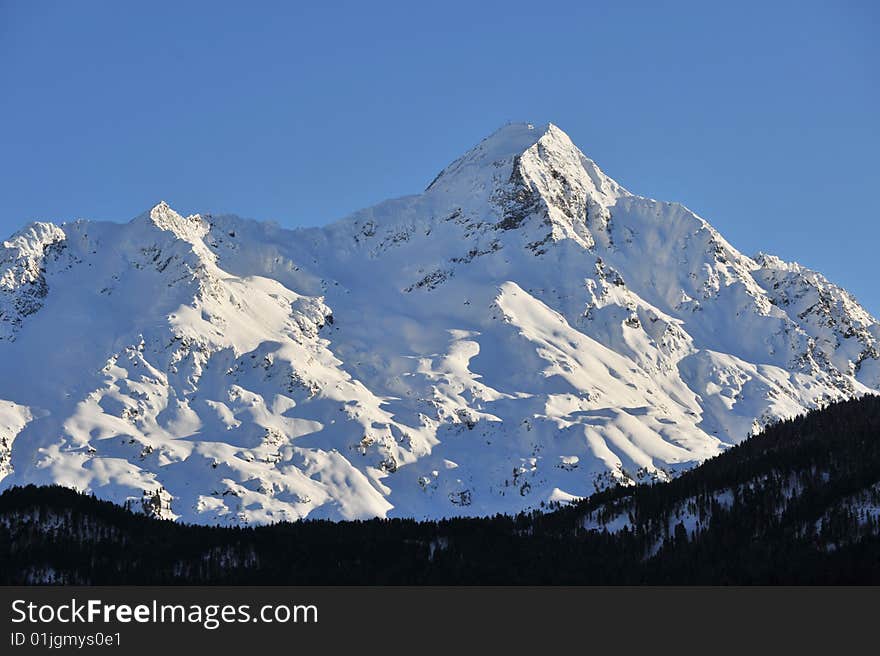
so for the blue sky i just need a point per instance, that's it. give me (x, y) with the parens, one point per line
(762, 117)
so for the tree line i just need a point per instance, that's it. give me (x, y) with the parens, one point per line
(799, 503)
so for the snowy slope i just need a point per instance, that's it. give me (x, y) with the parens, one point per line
(521, 333)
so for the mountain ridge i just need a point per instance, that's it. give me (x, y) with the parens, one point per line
(523, 332)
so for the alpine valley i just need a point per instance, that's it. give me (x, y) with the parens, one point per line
(524, 333)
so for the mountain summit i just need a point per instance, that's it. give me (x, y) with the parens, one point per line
(521, 333)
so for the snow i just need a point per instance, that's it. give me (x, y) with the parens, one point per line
(520, 334)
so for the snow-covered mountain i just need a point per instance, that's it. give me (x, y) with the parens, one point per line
(521, 333)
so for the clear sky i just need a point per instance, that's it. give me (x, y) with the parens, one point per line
(760, 116)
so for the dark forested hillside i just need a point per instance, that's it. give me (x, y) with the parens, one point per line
(799, 503)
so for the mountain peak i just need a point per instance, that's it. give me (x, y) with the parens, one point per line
(190, 228)
(514, 139)
(510, 140)
(503, 145)
(524, 150)
(522, 175)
